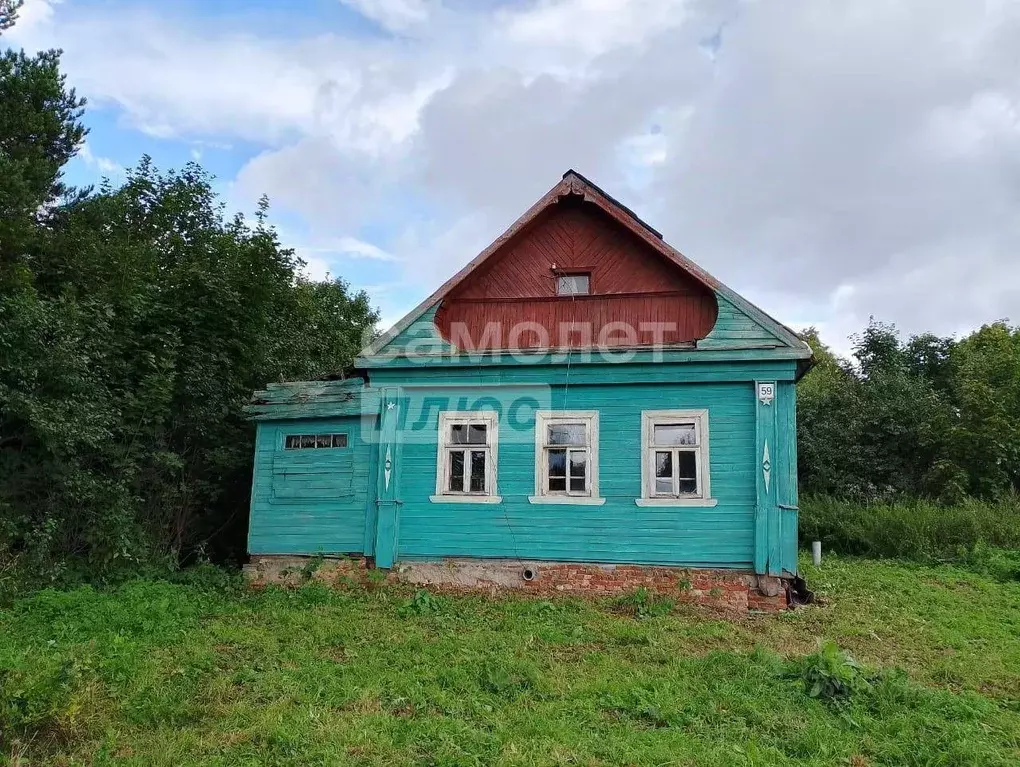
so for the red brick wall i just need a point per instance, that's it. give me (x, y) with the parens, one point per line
(721, 589)
(715, 588)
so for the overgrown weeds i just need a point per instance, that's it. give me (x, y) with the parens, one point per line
(643, 603)
(973, 533)
(832, 674)
(422, 602)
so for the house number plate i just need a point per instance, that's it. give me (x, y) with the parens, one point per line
(766, 393)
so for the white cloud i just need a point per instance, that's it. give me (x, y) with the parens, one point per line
(833, 160)
(351, 247)
(104, 165)
(394, 15)
(33, 16)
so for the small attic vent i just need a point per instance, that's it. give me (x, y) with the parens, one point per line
(573, 284)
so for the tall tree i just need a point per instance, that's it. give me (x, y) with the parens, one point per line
(135, 321)
(40, 130)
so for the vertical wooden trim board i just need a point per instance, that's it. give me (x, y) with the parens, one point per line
(388, 478)
(767, 451)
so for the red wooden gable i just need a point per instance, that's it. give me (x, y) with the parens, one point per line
(510, 300)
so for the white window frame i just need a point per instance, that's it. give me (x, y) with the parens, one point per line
(443, 448)
(590, 420)
(651, 418)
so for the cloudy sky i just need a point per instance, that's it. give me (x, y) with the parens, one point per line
(831, 160)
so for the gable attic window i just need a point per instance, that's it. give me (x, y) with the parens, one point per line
(674, 459)
(578, 284)
(466, 459)
(567, 457)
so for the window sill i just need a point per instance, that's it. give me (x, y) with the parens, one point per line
(702, 502)
(466, 498)
(565, 500)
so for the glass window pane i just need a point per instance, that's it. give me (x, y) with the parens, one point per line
(557, 463)
(293, 442)
(307, 441)
(686, 466)
(566, 434)
(476, 434)
(457, 471)
(666, 434)
(577, 484)
(664, 464)
(573, 284)
(578, 463)
(664, 486)
(477, 471)
(557, 484)
(324, 440)
(467, 434)
(339, 440)
(689, 486)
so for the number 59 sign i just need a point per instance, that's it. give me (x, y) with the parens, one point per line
(766, 393)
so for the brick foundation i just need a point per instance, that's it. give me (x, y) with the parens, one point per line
(722, 589)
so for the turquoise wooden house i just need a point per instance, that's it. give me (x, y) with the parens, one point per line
(580, 393)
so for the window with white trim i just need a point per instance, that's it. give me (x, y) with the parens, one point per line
(566, 456)
(674, 457)
(466, 462)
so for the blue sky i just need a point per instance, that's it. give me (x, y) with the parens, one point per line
(831, 161)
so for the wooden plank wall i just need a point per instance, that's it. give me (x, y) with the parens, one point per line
(734, 329)
(617, 531)
(630, 283)
(310, 501)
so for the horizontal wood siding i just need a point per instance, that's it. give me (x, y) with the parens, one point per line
(630, 283)
(735, 329)
(576, 373)
(309, 501)
(420, 337)
(618, 531)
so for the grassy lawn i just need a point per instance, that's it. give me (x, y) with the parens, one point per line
(173, 674)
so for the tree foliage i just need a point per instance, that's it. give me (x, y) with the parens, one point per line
(9, 13)
(927, 417)
(135, 321)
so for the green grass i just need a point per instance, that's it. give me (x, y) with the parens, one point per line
(157, 673)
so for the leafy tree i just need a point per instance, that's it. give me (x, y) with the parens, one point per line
(876, 426)
(135, 321)
(930, 417)
(986, 387)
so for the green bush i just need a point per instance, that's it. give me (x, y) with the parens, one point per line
(831, 674)
(968, 533)
(643, 603)
(422, 602)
